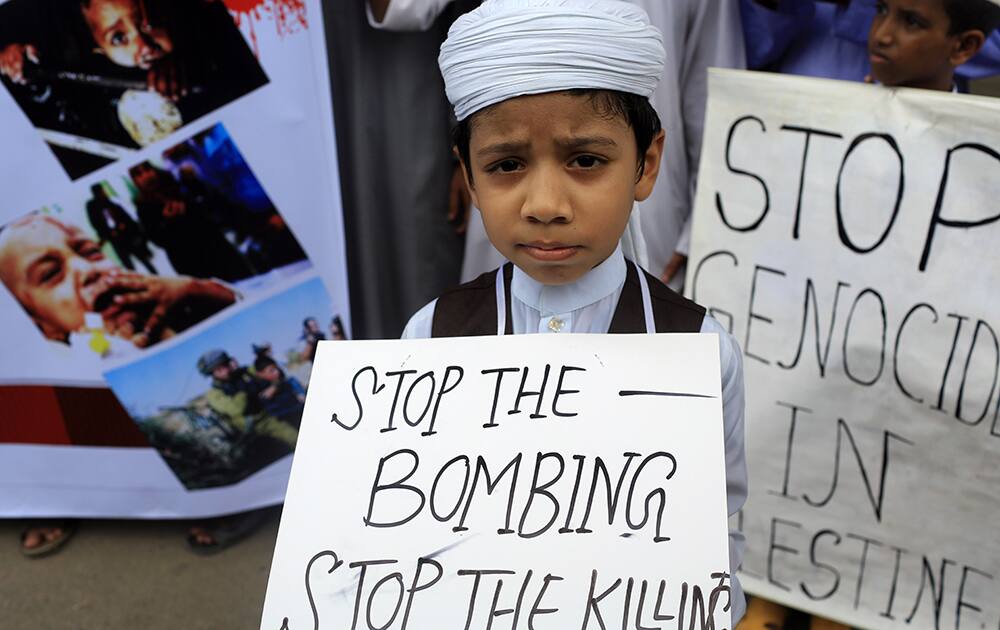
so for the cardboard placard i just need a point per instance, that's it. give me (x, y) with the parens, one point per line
(846, 235)
(526, 481)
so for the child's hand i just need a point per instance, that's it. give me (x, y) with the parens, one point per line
(168, 78)
(673, 266)
(12, 60)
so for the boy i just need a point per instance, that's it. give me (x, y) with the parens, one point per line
(829, 38)
(557, 142)
(920, 43)
(284, 396)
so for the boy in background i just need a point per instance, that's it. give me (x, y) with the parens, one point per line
(829, 38)
(557, 143)
(915, 44)
(922, 43)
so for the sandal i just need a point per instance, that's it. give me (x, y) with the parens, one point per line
(49, 545)
(226, 532)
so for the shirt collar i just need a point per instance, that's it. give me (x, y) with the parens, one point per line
(596, 284)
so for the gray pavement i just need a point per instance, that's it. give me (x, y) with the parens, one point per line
(134, 575)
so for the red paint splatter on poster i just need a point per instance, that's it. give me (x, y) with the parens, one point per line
(289, 16)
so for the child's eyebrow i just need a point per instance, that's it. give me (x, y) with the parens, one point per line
(503, 148)
(566, 144)
(583, 142)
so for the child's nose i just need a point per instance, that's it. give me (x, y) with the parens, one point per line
(545, 201)
(883, 33)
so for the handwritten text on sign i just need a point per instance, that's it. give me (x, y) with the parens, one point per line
(846, 234)
(517, 482)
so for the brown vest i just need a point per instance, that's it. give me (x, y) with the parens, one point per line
(470, 310)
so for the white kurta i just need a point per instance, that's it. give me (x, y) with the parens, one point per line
(588, 306)
(697, 35)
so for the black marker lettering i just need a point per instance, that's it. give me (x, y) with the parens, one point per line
(729, 164)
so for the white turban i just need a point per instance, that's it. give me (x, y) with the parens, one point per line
(509, 48)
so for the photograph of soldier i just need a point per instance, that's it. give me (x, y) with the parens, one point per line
(100, 79)
(227, 401)
(197, 220)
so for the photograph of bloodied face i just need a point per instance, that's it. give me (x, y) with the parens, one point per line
(100, 79)
(144, 255)
(227, 401)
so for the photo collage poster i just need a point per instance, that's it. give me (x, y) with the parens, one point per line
(174, 233)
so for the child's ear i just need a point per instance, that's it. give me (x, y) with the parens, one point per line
(465, 174)
(650, 168)
(966, 47)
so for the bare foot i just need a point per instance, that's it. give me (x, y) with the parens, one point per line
(35, 537)
(42, 539)
(201, 536)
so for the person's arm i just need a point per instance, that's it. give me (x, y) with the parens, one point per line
(770, 27)
(378, 9)
(715, 40)
(733, 416)
(404, 15)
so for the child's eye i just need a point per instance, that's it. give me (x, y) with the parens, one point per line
(118, 38)
(505, 166)
(913, 20)
(587, 161)
(880, 8)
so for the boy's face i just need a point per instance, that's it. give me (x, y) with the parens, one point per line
(270, 373)
(54, 271)
(123, 33)
(555, 180)
(910, 45)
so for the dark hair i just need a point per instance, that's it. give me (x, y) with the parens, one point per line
(634, 109)
(262, 361)
(972, 15)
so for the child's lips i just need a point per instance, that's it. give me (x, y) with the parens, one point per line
(549, 252)
(878, 58)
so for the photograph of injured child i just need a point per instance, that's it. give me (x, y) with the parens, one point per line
(227, 401)
(148, 253)
(100, 79)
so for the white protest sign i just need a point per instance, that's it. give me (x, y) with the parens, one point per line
(846, 234)
(527, 481)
